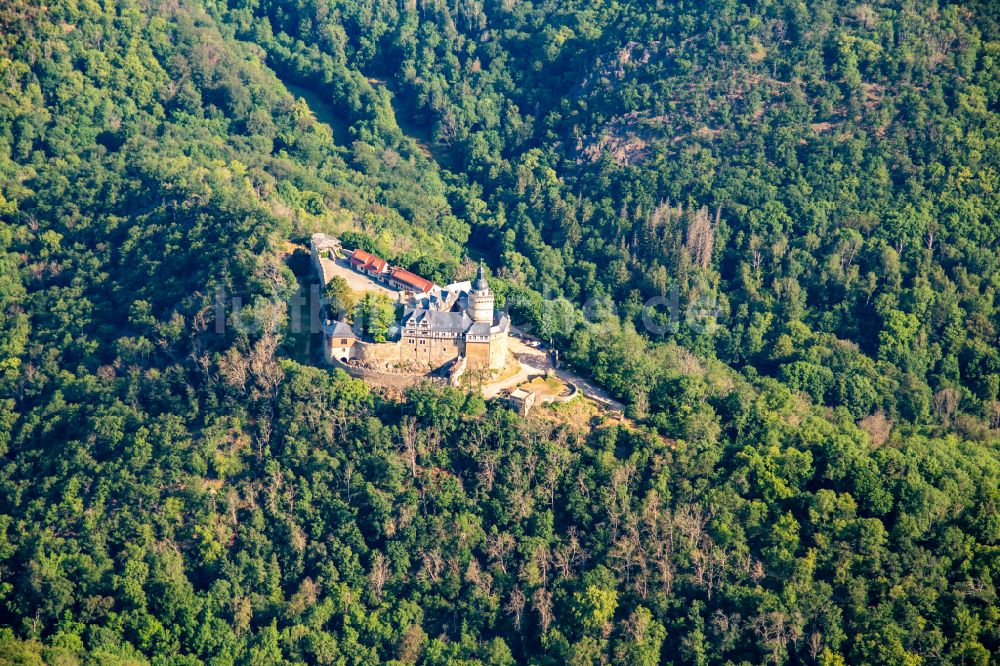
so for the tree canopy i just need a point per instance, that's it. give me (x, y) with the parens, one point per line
(769, 229)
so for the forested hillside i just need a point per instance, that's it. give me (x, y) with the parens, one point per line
(827, 174)
(814, 474)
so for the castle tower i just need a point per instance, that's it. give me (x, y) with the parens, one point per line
(481, 299)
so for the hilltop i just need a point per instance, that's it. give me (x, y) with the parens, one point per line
(768, 231)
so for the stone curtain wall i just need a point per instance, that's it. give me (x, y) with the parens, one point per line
(321, 265)
(375, 353)
(415, 357)
(387, 379)
(477, 354)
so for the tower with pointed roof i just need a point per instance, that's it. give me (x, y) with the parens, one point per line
(481, 300)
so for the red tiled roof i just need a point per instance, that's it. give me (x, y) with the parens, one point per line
(360, 256)
(368, 260)
(411, 280)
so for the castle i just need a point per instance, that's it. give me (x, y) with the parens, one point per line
(453, 328)
(460, 321)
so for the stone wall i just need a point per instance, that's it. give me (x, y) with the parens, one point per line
(574, 391)
(385, 379)
(323, 265)
(377, 353)
(415, 357)
(477, 354)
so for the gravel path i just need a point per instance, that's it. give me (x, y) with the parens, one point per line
(537, 362)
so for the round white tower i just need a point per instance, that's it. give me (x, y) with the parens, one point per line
(481, 299)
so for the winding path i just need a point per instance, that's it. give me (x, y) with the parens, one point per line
(538, 361)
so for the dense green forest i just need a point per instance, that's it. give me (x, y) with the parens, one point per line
(813, 473)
